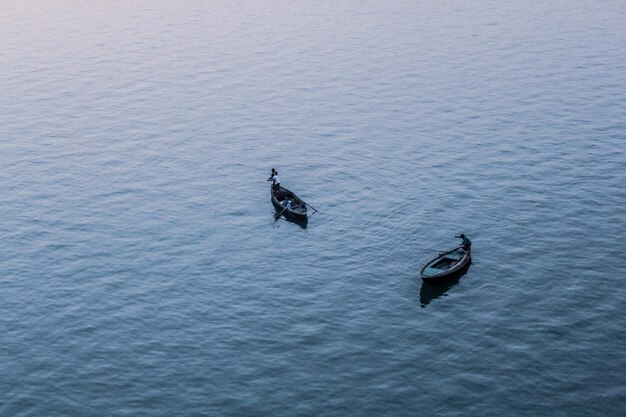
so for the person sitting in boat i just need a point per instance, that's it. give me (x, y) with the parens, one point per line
(275, 180)
(466, 244)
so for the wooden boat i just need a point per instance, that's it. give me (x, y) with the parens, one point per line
(289, 204)
(446, 266)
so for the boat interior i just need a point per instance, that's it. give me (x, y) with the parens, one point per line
(449, 260)
(284, 194)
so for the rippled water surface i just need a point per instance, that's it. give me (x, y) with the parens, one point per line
(142, 271)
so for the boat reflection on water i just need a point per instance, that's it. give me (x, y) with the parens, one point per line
(430, 292)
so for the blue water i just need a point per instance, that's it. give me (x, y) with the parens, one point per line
(142, 272)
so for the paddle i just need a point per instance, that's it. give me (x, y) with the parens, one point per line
(278, 215)
(314, 209)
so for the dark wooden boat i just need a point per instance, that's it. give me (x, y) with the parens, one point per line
(447, 266)
(289, 204)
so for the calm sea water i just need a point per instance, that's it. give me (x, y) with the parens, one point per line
(142, 272)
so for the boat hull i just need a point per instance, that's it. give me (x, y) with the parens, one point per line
(446, 267)
(299, 216)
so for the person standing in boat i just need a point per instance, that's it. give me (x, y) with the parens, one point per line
(466, 244)
(275, 180)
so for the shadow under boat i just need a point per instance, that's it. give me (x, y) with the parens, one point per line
(432, 291)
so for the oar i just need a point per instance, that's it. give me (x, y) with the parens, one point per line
(278, 216)
(314, 209)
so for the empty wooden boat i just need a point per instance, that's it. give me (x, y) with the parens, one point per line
(446, 266)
